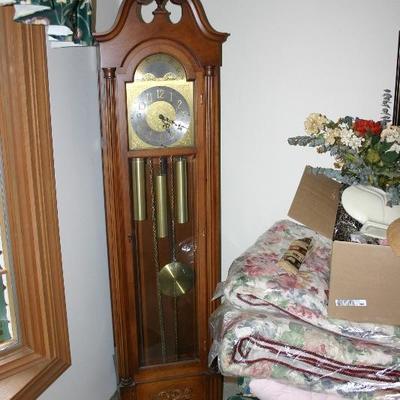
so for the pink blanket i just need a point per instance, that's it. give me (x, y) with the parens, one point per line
(266, 389)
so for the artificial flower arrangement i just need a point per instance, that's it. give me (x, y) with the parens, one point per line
(366, 152)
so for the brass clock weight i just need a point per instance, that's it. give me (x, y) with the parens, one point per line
(160, 125)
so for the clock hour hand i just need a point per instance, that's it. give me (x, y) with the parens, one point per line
(168, 122)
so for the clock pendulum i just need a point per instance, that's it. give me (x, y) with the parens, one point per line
(156, 262)
(176, 278)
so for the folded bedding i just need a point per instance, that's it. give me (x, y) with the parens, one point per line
(256, 282)
(280, 347)
(267, 389)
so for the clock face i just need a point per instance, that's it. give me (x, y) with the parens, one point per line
(160, 104)
(160, 116)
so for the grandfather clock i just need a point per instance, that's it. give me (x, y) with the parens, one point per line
(160, 128)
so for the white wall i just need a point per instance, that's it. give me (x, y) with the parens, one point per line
(106, 13)
(284, 60)
(75, 123)
(77, 157)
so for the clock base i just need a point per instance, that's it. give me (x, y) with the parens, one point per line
(203, 387)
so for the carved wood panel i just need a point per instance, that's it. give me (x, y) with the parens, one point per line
(179, 389)
(175, 394)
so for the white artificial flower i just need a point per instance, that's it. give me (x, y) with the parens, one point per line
(330, 136)
(315, 123)
(348, 138)
(391, 134)
(395, 147)
(345, 135)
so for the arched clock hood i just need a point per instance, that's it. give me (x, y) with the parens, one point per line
(193, 31)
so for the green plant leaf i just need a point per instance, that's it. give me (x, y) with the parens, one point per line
(390, 157)
(375, 139)
(384, 146)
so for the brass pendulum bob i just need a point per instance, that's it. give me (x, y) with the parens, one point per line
(176, 278)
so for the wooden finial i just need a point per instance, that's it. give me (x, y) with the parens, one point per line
(393, 236)
(161, 5)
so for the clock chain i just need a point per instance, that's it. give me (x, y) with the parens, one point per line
(157, 264)
(173, 247)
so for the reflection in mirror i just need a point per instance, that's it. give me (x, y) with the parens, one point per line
(8, 332)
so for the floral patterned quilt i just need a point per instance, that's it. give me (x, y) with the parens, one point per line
(281, 347)
(256, 282)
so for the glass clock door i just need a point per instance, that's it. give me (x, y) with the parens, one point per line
(160, 126)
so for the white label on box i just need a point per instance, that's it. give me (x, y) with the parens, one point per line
(351, 303)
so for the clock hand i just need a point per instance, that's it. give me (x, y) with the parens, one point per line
(168, 122)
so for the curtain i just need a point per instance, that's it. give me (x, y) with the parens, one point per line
(69, 21)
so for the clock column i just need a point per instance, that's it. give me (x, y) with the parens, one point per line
(212, 91)
(112, 185)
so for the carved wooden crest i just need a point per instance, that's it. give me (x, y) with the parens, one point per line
(193, 31)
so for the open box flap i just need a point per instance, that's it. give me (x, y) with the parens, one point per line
(315, 203)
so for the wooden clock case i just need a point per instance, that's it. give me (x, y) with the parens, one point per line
(198, 47)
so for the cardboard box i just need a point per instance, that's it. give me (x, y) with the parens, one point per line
(365, 279)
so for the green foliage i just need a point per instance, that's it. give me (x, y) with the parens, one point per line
(74, 14)
(389, 157)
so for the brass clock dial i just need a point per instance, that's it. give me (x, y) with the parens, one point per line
(160, 116)
(160, 104)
